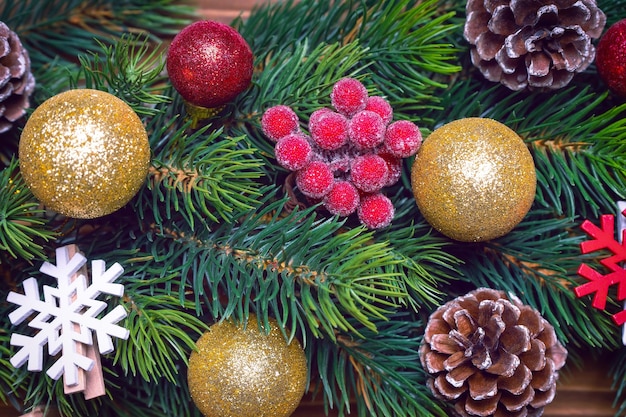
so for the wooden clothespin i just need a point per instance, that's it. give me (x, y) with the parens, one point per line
(91, 382)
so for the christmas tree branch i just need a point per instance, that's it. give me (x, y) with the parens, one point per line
(56, 32)
(23, 229)
(382, 371)
(199, 175)
(131, 69)
(160, 332)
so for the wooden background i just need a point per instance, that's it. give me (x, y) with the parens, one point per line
(582, 391)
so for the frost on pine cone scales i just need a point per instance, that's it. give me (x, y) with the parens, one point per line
(529, 44)
(16, 81)
(491, 356)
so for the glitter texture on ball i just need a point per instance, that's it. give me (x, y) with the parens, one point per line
(243, 372)
(611, 57)
(209, 63)
(84, 153)
(474, 179)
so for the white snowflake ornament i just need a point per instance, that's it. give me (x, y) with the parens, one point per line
(67, 316)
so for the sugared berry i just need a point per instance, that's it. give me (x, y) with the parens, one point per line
(366, 129)
(329, 130)
(369, 173)
(375, 211)
(279, 121)
(315, 180)
(381, 106)
(394, 164)
(342, 199)
(293, 151)
(349, 96)
(317, 114)
(403, 138)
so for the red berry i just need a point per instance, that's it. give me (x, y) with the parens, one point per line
(317, 114)
(366, 129)
(381, 106)
(376, 211)
(293, 151)
(279, 121)
(329, 130)
(342, 199)
(315, 180)
(403, 138)
(209, 63)
(369, 173)
(394, 165)
(349, 96)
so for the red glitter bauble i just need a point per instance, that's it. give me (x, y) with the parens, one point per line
(209, 63)
(611, 57)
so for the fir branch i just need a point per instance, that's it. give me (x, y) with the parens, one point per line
(160, 333)
(382, 372)
(410, 59)
(426, 264)
(301, 78)
(131, 70)
(22, 226)
(9, 387)
(537, 262)
(299, 269)
(403, 47)
(56, 32)
(198, 175)
(577, 143)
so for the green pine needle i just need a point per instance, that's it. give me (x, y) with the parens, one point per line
(22, 225)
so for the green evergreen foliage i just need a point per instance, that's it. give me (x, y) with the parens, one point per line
(218, 232)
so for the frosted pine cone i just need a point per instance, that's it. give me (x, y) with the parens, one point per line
(16, 81)
(490, 356)
(534, 44)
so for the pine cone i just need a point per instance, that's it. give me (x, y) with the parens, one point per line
(16, 81)
(490, 356)
(534, 44)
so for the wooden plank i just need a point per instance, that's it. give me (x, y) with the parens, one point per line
(226, 11)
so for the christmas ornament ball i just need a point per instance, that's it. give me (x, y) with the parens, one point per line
(242, 371)
(473, 179)
(209, 63)
(611, 57)
(84, 153)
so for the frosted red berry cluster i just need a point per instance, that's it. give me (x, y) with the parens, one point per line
(350, 154)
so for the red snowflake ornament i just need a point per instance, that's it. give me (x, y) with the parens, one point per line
(603, 237)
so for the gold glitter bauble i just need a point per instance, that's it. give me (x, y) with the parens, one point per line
(474, 179)
(244, 372)
(84, 153)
